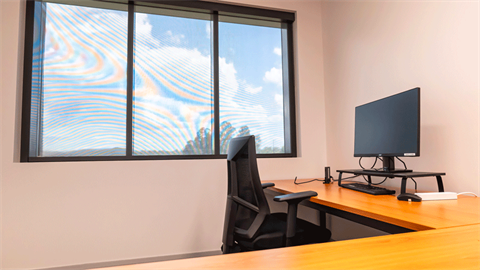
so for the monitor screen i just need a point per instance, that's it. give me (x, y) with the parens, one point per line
(389, 126)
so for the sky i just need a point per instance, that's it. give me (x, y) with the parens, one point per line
(84, 81)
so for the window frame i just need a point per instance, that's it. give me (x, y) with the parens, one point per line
(286, 18)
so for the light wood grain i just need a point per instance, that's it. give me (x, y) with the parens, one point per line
(412, 215)
(451, 248)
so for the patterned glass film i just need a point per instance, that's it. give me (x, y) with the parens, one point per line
(173, 87)
(251, 85)
(79, 81)
(107, 84)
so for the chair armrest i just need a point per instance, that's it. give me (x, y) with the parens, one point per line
(265, 185)
(295, 196)
(293, 199)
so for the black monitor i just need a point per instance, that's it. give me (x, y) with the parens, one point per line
(389, 128)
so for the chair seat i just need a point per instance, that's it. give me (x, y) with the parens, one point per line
(271, 233)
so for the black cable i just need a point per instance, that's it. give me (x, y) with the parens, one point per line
(380, 182)
(375, 183)
(360, 163)
(374, 163)
(404, 165)
(415, 183)
(295, 181)
(376, 158)
(313, 180)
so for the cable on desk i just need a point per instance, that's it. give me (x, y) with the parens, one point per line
(333, 179)
(464, 193)
(295, 181)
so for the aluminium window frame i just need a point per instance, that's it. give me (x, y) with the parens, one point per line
(286, 18)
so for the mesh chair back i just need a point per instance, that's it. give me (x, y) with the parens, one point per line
(247, 205)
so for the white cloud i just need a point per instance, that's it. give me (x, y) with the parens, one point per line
(151, 102)
(142, 24)
(193, 57)
(228, 76)
(279, 99)
(277, 51)
(208, 29)
(88, 25)
(274, 75)
(253, 90)
(168, 58)
(275, 118)
(257, 109)
(175, 39)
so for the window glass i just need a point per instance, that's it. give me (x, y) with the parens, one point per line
(105, 84)
(173, 88)
(79, 81)
(251, 85)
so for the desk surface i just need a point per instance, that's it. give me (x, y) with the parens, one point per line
(451, 248)
(416, 216)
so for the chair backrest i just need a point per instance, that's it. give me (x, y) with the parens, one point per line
(247, 205)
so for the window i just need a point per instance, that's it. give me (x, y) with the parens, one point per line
(251, 83)
(173, 90)
(116, 81)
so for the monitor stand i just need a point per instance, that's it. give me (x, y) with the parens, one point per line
(386, 171)
(404, 176)
(388, 167)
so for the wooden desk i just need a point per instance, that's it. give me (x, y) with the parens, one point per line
(448, 236)
(416, 216)
(451, 248)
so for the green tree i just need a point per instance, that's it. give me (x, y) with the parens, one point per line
(244, 131)
(258, 143)
(201, 145)
(227, 131)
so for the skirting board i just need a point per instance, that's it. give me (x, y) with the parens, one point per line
(135, 261)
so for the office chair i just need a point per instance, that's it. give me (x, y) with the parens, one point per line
(249, 225)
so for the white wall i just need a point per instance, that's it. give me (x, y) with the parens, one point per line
(56, 214)
(373, 49)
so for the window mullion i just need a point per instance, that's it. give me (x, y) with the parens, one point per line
(288, 86)
(27, 82)
(129, 134)
(216, 84)
(292, 139)
(39, 123)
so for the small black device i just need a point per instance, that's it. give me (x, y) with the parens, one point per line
(373, 190)
(327, 176)
(389, 128)
(409, 197)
